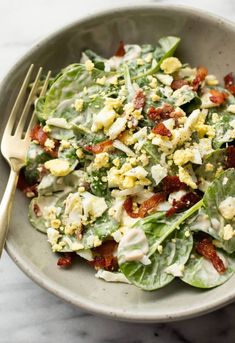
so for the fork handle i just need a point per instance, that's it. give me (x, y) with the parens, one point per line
(5, 207)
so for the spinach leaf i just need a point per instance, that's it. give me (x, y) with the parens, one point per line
(98, 186)
(201, 273)
(165, 48)
(52, 191)
(164, 267)
(222, 188)
(39, 107)
(98, 61)
(52, 184)
(35, 157)
(102, 228)
(70, 83)
(37, 208)
(152, 152)
(209, 218)
(192, 105)
(158, 228)
(212, 166)
(183, 95)
(224, 129)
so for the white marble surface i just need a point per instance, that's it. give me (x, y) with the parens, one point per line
(31, 314)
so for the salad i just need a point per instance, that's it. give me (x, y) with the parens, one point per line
(132, 167)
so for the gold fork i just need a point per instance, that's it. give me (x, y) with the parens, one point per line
(15, 142)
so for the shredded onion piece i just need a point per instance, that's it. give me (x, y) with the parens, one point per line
(120, 146)
(132, 191)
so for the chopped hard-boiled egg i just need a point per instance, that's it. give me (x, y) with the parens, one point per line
(187, 176)
(227, 232)
(227, 208)
(92, 205)
(89, 65)
(101, 160)
(58, 167)
(231, 108)
(78, 105)
(170, 65)
(103, 119)
(184, 156)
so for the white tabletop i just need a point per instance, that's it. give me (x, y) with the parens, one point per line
(31, 314)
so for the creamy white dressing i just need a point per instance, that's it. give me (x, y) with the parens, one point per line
(133, 247)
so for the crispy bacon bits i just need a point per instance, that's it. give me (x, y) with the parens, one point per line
(128, 206)
(30, 190)
(41, 137)
(139, 99)
(185, 202)
(150, 204)
(120, 50)
(230, 151)
(145, 207)
(207, 250)
(173, 184)
(104, 256)
(162, 130)
(160, 113)
(202, 72)
(66, 260)
(100, 147)
(218, 97)
(177, 84)
(229, 83)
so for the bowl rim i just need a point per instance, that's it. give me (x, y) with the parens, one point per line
(33, 272)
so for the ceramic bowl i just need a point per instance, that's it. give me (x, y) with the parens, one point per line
(206, 40)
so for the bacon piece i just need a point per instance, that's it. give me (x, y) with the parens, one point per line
(162, 130)
(185, 202)
(160, 113)
(128, 206)
(29, 190)
(151, 203)
(230, 151)
(66, 260)
(139, 99)
(207, 250)
(100, 147)
(202, 72)
(104, 256)
(228, 80)
(218, 97)
(39, 135)
(120, 50)
(145, 207)
(231, 89)
(229, 83)
(177, 84)
(173, 184)
(106, 249)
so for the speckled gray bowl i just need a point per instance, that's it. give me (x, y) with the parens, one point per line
(206, 40)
